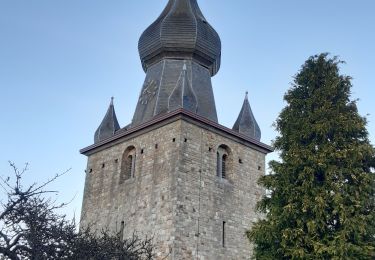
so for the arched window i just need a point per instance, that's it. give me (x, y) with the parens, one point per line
(222, 161)
(128, 164)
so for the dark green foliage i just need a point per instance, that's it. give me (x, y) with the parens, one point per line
(321, 194)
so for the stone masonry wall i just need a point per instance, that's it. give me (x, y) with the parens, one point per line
(176, 194)
(144, 202)
(205, 201)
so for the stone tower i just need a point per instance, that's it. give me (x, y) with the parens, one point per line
(175, 172)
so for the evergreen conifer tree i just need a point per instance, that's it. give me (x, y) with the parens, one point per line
(320, 202)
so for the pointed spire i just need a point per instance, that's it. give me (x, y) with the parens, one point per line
(108, 126)
(246, 123)
(183, 95)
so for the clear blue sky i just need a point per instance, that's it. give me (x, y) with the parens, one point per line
(61, 61)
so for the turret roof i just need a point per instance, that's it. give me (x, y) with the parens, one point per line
(246, 123)
(108, 126)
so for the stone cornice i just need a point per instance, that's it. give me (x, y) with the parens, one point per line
(165, 119)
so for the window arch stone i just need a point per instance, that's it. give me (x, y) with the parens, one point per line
(128, 164)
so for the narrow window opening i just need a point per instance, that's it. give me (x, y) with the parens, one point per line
(174, 139)
(156, 146)
(259, 168)
(240, 161)
(142, 151)
(223, 234)
(90, 171)
(130, 167)
(122, 227)
(133, 167)
(218, 165)
(103, 165)
(210, 149)
(185, 140)
(116, 160)
(223, 166)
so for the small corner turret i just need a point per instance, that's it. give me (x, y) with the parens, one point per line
(246, 123)
(108, 126)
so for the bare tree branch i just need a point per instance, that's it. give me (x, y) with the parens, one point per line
(31, 229)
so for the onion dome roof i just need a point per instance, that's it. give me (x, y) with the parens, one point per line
(181, 32)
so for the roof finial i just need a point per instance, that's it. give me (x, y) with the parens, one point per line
(247, 94)
(112, 98)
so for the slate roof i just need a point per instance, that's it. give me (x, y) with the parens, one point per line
(181, 32)
(108, 126)
(246, 123)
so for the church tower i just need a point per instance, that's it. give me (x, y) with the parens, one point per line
(174, 172)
